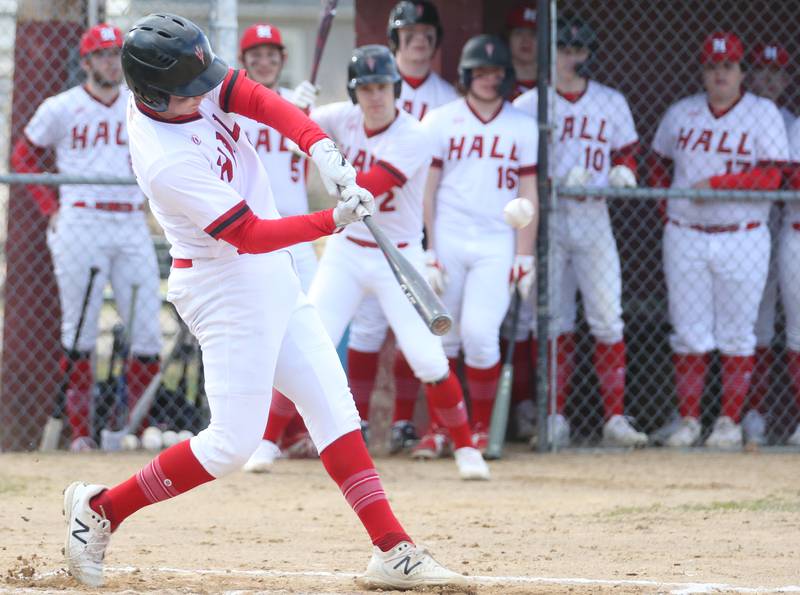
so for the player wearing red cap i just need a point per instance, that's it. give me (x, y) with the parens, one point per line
(521, 27)
(95, 225)
(716, 253)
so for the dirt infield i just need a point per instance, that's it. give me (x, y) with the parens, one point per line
(585, 522)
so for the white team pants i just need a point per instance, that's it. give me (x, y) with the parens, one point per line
(477, 291)
(305, 263)
(714, 285)
(349, 272)
(765, 322)
(256, 329)
(789, 267)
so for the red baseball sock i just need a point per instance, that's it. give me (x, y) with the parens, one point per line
(736, 373)
(521, 384)
(362, 368)
(565, 364)
(482, 385)
(348, 463)
(174, 471)
(690, 379)
(281, 412)
(141, 371)
(79, 393)
(406, 389)
(447, 401)
(793, 367)
(609, 362)
(760, 381)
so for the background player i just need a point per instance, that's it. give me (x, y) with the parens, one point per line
(95, 225)
(768, 77)
(414, 32)
(521, 28)
(263, 55)
(595, 144)
(484, 156)
(715, 250)
(238, 293)
(388, 148)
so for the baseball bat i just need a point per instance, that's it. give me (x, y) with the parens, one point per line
(322, 36)
(51, 434)
(106, 393)
(425, 301)
(502, 399)
(121, 387)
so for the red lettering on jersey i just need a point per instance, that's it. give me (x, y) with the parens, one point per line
(234, 133)
(79, 138)
(360, 160)
(584, 134)
(225, 142)
(600, 137)
(683, 138)
(514, 156)
(408, 106)
(721, 148)
(224, 161)
(101, 134)
(455, 148)
(569, 127)
(118, 137)
(704, 139)
(263, 139)
(741, 150)
(494, 152)
(477, 146)
(282, 147)
(423, 109)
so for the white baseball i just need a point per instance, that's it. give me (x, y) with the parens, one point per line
(152, 439)
(169, 438)
(518, 212)
(130, 442)
(185, 435)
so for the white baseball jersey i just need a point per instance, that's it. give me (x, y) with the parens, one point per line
(401, 148)
(433, 92)
(586, 130)
(286, 168)
(481, 162)
(703, 145)
(791, 209)
(89, 138)
(788, 117)
(193, 209)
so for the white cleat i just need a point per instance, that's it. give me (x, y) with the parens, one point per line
(726, 435)
(406, 566)
(471, 464)
(687, 434)
(618, 431)
(263, 458)
(88, 534)
(754, 427)
(794, 439)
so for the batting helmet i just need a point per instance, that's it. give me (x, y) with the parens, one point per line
(372, 64)
(412, 12)
(573, 32)
(486, 50)
(165, 54)
(100, 37)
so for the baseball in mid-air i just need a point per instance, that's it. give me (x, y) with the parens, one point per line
(518, 212)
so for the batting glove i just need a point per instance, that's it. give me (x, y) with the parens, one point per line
(335, 171)
(577, 176)
(523, 274)
(304, 95)
(621, 176)
(356, 202)
(435, 273)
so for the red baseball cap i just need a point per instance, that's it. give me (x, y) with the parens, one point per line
(100, 37)
(521, 17)
(260, 34)
(722, 47)
(770, 54)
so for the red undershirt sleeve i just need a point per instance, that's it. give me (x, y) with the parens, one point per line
(659, 170)
(763, 177)
(243, 96)
(381, 178)
(27, 158)
(627, 156)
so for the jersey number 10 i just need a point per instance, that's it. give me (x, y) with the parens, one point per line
(595, 159)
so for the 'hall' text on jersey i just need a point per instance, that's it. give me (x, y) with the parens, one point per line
(433, 92)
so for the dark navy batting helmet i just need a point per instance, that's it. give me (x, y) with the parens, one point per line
(412, 12)
(372, 64)
(165, 54)
(486, 50)
(574, 32)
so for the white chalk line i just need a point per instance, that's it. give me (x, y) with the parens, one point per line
(675, 588)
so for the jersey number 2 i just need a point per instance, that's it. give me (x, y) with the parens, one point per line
(386, 203)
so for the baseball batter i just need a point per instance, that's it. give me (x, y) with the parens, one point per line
(95, 225)
(414, 33)
(768, 77)
(788, 255)
(594, 144)
(484, 156)
(716, 253)
(236, 289)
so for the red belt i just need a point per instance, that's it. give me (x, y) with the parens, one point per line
(116, 207)
(718, 228)
(583, 198)
(181, 263)
(366, 244)
(796, 226)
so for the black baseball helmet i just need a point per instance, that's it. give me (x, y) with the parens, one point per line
(372, 64)
(574, 32)
(412, 12)
(165, 54)
(486, 50)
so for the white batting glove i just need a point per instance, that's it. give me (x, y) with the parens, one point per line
(577, 176)
(335, 171)
(355, 204)
(305, 95)
(622, 176)
(523, 274)
(435, 273)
